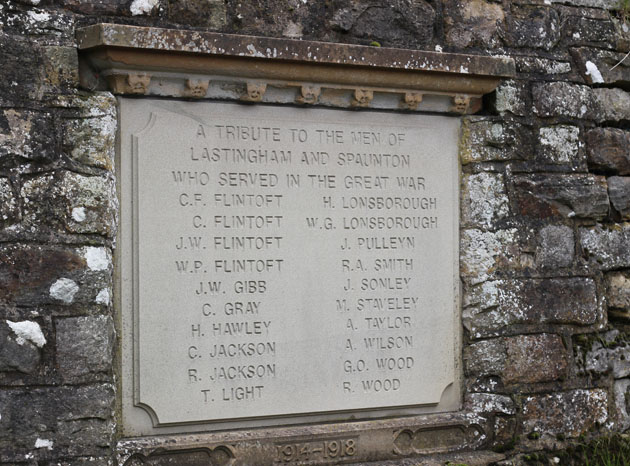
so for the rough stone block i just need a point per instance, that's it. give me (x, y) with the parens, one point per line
(534, 358)
(32, 275)
(85, 347)
(489, 403)
(582, 30)
(559, 144)
(611, 104)
(72, 202)
(618, 290)
(473, 23)
(9, 211)
(17, 351)
(60, 69)
(482, 253)
(611, 66)
(47, 413)
(27, 134)
(414, 23)
(570, 413)
(484, 201)
(621, 391)
(606, 4)
(519, 359)
(619, 193)
(493, 306)
(485, 357)
(609, 247)
(486, 139)
(612, 358)
(204, 13)
(513, 97)
(608, 150)
(563, 99)
(93, 7)
(532, 27)
(47, 27)
(545, 196)
(91, 141)
(96, 104)
(556, 247)
(544, 66)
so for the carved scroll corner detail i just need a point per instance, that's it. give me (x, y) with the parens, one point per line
(411, 100)
(196, 88)
(362, 97)
(308, 95)
(135, 460)
(461, 102)
(255, 92)
(221, 455)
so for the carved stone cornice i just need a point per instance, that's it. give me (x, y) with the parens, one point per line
(178, 63)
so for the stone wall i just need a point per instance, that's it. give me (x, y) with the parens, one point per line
(545, 243)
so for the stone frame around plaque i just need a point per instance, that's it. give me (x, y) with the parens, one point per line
(191, 65)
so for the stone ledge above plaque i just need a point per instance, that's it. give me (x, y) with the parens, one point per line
(188, 64)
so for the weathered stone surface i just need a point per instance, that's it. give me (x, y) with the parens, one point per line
(472, 23)
(611, 66)
(559, 144)
(556, 247)
(594, 31)
(611, 104)
(56, 27)
(513, 97)
(412, 23)
(485, 357)
(484, 201)
(489, 403)
(85, 348)
(55, 415)
(493, 306)
(568, 413)
(91, 141)
(72, 202)
(17, 353)
(9, 211)
(486, 139)
(567, 196)
(621, 391)
(609, 247)
(204, 13)
(483, 252)
(532, 27)
(618, 290)
(613, 357)
(534, 358)
(545, 66)
(27, 134)
(91, 7)
(619, 193)
(95, 104)
(60, 72)
(607, 4)
(608, 150)
(519, 359)
(37, 275)
(563, 99)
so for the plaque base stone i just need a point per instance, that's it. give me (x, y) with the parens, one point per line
(442, 437)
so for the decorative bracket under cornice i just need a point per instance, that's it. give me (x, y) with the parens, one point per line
(204, 65)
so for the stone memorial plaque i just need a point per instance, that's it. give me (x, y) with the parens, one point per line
(281, 261)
